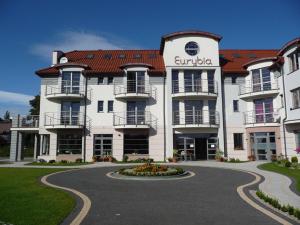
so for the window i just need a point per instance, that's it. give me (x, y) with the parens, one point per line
(107, 56)
(261, 80)
(297, 134)
(110, 106)
(103, 144)
(233, 80)
(137, 56)
(238, 141)
(294, 61)
(122, 56)
(100, 106)
(235, 105)
(45, 144)
(296, 98)
(100, 80)
(110, 80)
(136, 144)
(69, 143)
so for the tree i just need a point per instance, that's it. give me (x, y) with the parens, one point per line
(35, 105)
(6, 115)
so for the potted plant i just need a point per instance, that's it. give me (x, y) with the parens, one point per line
(175, 155)
(219, 155)
(251, 157)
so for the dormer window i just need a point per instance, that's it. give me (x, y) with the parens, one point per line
(107, 56)
(137, 56)
(121, 56)
(90, 56)
(294, 61)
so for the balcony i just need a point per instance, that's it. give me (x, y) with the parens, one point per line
(64, 120)
(133, 89)
(196, 119)
(134, 119)
(26, 123)
(252, 118)
(250, 90)
(66, 89)
(195, 88)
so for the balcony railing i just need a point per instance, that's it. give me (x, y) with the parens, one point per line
(253, 117)
(141, 88)
(64, 118)
(135, 118)
(259, 87)
(196, 86)
(196, 117)
(65, 88)
(30, 121)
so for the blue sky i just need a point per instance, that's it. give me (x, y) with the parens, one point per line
(30, 30)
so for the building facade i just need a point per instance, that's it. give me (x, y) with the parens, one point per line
(188, 98)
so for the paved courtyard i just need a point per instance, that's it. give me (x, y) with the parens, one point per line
(209, 197)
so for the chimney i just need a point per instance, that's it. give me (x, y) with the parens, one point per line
(55, 56)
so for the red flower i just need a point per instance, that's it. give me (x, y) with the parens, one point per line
(298, 150)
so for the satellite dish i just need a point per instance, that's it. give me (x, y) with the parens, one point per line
(63, 60)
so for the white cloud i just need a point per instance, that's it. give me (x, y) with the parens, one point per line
(74, 40)
(14, 98)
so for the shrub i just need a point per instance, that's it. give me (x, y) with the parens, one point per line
(237, 160)
(290, 209)
(63, 161)
(274, 158)
(284, 208)
(79, 160)
(52, 161)
(170, 159)
(231, 159)
(42, 160)
(287, 164)
(125, 158)
(294, 159)
(297, 213)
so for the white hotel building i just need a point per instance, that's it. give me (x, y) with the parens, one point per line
(189, 95)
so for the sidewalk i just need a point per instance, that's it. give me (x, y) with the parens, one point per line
(275, 185)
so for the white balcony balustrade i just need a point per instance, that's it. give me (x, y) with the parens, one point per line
(134, 119)
(196, 118)
(134, 89)
(67, 89)
(250, 90)
(200, 87)
(260, 117)
(64, 119)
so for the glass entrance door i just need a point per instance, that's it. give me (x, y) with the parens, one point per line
(135, 82)
(263, 110)
(263, 144)
(186, 148)
(136, 112)
(70, 82)
(70, 113)
(193, 111)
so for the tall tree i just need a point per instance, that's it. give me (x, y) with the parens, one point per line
(6, 115)
(35, 105)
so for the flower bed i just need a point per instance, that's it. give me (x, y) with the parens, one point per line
(150, 169)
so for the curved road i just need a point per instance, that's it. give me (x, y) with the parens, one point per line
(210, 197)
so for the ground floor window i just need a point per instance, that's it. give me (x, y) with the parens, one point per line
(69, 143)
(136, 144)
(45, 144)
(263, 144)
(238, 141)
(297, 133)
(103, 144)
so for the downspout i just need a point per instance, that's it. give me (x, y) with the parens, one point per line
(285, 116)
(224, 115)
(84, 120)
(164, 117)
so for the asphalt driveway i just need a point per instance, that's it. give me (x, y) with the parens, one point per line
(208, 198)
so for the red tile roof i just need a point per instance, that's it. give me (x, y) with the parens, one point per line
(111, 61)
(232, 60)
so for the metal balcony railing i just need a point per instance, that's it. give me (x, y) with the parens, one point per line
(249, 87)
(133, 118)
(253, 117)
(29, 121)
(195, 86)
(66, 87)
(134, 87)
(64, 118)
(196, 117)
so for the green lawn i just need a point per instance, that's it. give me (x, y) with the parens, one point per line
(294, 173)
(25, 201)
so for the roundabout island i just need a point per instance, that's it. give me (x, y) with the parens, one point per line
(150, 171)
